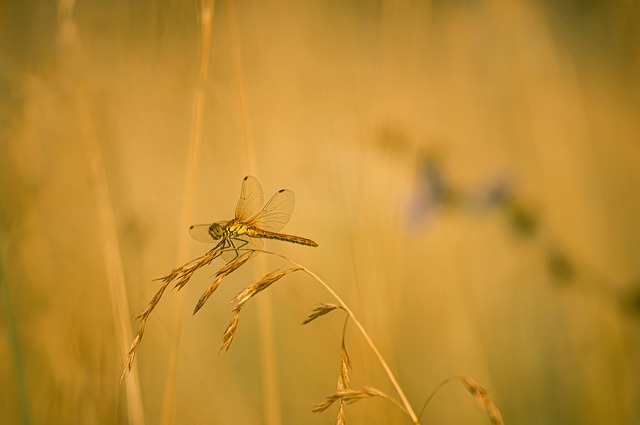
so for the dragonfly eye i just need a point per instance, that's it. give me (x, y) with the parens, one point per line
(216, 231)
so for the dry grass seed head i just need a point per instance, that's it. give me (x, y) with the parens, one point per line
(221, 274)
(132, 353)
(241, 299)
(479, 393)
(321, 310)
(341, 418)
(143, 321)
(230, 332)
(482, 399)
(206, 294)
(182, 274)
(153, 303)
(344, 381)
(351, 396)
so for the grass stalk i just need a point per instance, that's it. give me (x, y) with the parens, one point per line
(111, 250)
(207, 9)
(271, 394)
(247, 128)
(112, 253)
(23, 410)
(344, 393)
(479, 393)
(365, 334)
(405, 402)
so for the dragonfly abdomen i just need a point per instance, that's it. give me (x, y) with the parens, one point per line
(258, 233)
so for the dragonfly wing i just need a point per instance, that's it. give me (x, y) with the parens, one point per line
(200, 232)
(251, 199)
(255, 243)
(275, 214)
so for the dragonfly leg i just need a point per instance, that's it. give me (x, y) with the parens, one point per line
(244, 242)
(236, 244)
(220, 245)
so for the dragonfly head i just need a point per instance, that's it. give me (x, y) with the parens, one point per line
(216, 231)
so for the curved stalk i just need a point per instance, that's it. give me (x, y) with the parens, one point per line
(363, 331)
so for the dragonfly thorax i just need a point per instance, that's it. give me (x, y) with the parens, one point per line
(235, 228)
(230, 229)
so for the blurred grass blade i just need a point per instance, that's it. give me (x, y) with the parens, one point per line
(24, 413)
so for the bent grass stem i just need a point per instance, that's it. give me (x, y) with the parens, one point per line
(363, 331)
(181, 275)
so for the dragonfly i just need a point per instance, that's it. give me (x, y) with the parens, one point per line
(251, 223)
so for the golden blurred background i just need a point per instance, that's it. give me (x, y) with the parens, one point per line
(469, 170)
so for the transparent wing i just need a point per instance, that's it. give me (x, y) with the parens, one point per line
(200, 232)
(275, 214)
(251, 199)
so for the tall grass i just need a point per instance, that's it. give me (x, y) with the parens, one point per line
(344, 394)
(206, 20)
(22, 412)
(106, 222)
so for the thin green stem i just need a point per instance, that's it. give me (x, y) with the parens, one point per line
(433, 393)
(23, 411)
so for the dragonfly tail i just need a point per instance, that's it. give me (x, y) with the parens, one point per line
(282, 237)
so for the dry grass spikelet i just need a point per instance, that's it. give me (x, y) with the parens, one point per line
(180, 276)
(321, 310)
(341, 418)
(344, 381)
(230, 332)
(221, 274)
(243, 297)
(131, 355)
(349, 395)
(343, 394)
(482, 399)
(250, 291)
(183, 273)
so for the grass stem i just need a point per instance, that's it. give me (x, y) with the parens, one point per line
(363, 331)
(195, 143)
